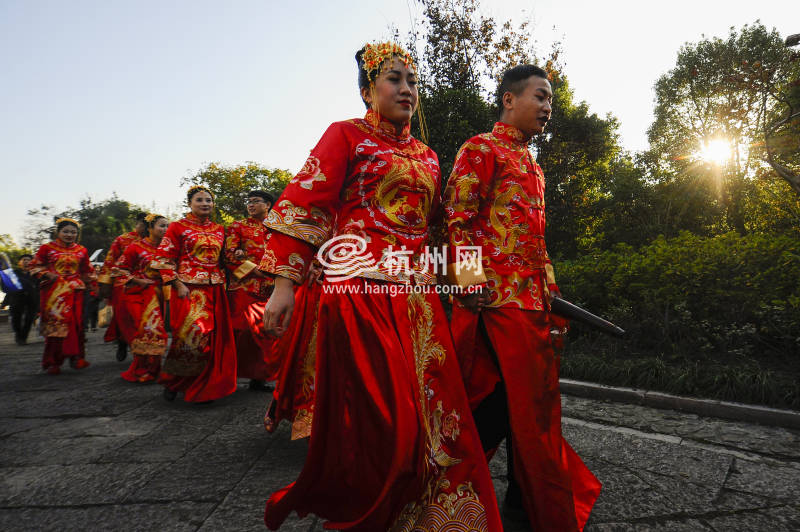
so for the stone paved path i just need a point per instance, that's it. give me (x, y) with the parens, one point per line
(88, 451)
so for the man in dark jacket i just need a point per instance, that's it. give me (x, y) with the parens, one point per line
(24, 303)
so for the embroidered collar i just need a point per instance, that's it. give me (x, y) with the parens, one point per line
(509, 134)
(384, 126)
(57, 243)
(197, 221)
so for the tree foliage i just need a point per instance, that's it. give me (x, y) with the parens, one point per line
(460, 54)
(464, 54)
(578, 154)
(723, 89)
(230, 185)
(12, 250)
(101, 222)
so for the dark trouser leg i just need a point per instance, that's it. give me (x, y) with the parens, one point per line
(94, 305)
(17, 311)
(27, 320)
(492, 421)
(491, 418)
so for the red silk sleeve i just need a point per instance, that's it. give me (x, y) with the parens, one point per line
(110, 260)
(166, 261)
(39, 265)
(306, 211)
(126, 264)
(469, 182)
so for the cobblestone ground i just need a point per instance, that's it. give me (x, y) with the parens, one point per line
(88, 451)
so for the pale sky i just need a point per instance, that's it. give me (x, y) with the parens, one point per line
(129, 96)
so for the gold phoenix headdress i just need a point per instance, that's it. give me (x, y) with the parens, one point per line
(373, 61)
(70, 220)
(199, 187)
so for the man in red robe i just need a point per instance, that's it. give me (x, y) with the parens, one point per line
(248, 292)
(494, 204)
(111, 290)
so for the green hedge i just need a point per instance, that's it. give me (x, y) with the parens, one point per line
(707, 316)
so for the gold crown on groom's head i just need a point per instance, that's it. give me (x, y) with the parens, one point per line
(375, 54)
(199, 187)
(69, 220)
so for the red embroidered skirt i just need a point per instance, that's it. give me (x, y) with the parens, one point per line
(392, 444)
(140, 319)
(61, 322)
(201, 361)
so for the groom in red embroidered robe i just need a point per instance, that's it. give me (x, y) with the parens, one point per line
(248, 292)
(494, 203)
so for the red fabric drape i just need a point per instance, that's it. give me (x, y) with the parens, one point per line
(256, 357)
(393, 443)
(294, 390)
(202, 358)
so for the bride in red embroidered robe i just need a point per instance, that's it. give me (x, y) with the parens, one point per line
(201, 361)
(63, 269)
(393, 445)
(141, 303)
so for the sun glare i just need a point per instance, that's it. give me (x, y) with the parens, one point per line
(715, 151)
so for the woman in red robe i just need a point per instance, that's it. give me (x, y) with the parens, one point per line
(201, 361)
(393, 445)
(141, 303)
(63, 269)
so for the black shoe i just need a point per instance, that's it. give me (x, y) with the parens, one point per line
(204, 402)
(122, 351)
(260, 386)
(169, 395)
(20, 341)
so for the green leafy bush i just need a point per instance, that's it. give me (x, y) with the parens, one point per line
(711, 316)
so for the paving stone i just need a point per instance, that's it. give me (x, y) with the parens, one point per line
(246, 513)
(774, 481)
(176, 517)
(184, 481)
(728, 501)
(16, 451)
(87, 450)
(695, 465)
(231, 443)
(780, 519)
(773, 441)
(72, 484)
(277, 467)
(10, 426)
(627, 496)
(687, 525)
